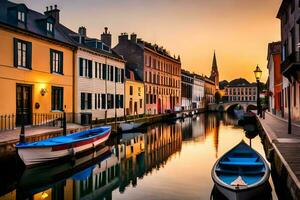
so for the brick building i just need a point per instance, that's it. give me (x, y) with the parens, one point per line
(159, 71)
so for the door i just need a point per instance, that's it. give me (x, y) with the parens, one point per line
(159, 106)
(135, 107)
(23, 98)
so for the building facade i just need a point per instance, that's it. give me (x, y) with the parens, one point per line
(239, 90)
(198, 92)
(275, 78)
(289, 13)
(36, 64)
(209, 91)
(99, 77)
(134, 94)
(186, 89)
(159, 71)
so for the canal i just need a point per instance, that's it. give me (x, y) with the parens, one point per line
(168, 161)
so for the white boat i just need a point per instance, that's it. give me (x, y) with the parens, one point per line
(130, 126)
(63, 146)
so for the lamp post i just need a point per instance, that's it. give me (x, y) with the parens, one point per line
(258, 73)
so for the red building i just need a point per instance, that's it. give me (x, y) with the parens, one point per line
(160, 72)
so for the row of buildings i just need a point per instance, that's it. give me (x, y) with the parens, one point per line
(45, 67)
(284, 64)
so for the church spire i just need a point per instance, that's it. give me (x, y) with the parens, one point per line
(214, 63)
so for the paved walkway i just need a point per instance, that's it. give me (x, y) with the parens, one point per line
(287, 145)
(12, 136)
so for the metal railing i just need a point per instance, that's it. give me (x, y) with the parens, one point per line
(292, 58)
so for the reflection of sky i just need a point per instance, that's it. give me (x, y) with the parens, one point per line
(187, 174)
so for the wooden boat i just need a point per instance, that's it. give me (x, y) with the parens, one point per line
(59, 147)
(241, 173)
(130, 126)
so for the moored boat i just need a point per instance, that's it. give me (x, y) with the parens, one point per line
(130, 126)
(241, 173)
(34, 153)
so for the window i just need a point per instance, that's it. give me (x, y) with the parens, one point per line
(85, 68)
(131, 90)
(56, 61)
(57, 98)
(117, 101)
(104, 72)
(111, 73)
(86, 101)
(22, 53)
(21, 16)
(110, 101)
(141, 103)
(103, 97)
(122, 75)
(49, 27)
(121, 101)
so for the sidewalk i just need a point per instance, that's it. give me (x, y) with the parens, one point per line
(12, 136)
(286, 148)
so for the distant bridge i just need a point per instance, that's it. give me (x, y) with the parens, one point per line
(246, 105)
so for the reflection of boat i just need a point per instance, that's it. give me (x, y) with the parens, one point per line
(58, 147)
(239, 113)
(130, 126)
(42, 177)
(241, 173)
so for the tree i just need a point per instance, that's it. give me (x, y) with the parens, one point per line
(217, 97)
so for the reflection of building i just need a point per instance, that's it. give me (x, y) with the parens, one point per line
(159, 71)
(212, 128)
(193, 128)
(275, 77)
(240, 90)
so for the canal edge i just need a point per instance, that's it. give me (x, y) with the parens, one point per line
(278, 162)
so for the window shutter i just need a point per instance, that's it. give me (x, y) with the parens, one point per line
(122, 75)
(104, 71)
(28, 55)
(96, 70)
(80, 67)
(61, 62)
(111, 73)
(90, 66)
(100, 70)
(116, 74)
(15, 52)
(112, 101)
(51, 60)
(89, 101)
(117, 101)
(82, 101)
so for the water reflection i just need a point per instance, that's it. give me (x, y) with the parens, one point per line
(168, 161)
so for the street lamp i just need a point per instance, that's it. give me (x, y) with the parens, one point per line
(258, 73)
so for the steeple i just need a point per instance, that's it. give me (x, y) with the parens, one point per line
(214, 63)
(214, 71)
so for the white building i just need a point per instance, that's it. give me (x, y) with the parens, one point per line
(99, 78)
(198, 92)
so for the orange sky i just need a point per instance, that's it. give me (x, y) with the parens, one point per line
(239, 30)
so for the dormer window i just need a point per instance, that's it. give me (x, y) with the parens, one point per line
(49, 27)
(21, 16)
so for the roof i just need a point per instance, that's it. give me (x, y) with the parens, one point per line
(33, 19)
(132, 69)
(274, 48)
(71, 35)
(223, 83)
(240, 82)
(282, 8)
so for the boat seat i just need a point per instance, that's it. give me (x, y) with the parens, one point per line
(232, 159)
(243, 172)
(237, 163)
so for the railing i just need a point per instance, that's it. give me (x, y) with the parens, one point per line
(9, 121)
(292, 58)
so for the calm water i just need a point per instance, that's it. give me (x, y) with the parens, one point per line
(168, 161)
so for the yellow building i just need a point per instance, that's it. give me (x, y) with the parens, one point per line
(134, 94)
(36, 64)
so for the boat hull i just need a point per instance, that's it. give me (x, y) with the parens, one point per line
(249, 194)
(37, 155)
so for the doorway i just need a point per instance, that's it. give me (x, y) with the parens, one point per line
(23, 104)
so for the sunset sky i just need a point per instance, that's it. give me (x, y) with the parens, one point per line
(239, 30)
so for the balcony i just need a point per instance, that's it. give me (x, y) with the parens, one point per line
(290, 68)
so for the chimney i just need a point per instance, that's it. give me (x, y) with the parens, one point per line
(82, 31)
(53, 12)
(133, 37)
(123, 37)
(106, 37)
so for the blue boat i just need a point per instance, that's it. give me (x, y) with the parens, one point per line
(241, 173)
(34, 153)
